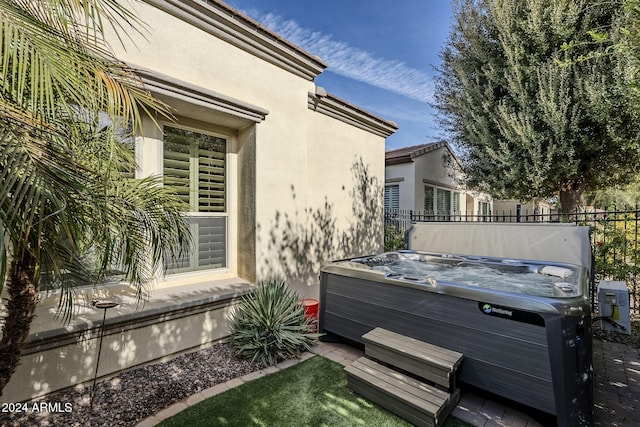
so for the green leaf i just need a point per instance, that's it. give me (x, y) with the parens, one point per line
(270, 325)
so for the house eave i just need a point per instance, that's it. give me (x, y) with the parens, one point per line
(398, 160)
(177, 93)
(226, 23)
(408, 156)
(332, 106)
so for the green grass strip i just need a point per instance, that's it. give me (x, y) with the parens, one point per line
(311, 393)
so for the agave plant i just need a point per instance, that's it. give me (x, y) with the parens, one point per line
(270, 325)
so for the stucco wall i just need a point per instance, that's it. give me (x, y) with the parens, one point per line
(404, 176)
(436, 168)
(304, 187)
(172, 321)
(507, 210)
(176, 48)
(304, 163)
(344, 201)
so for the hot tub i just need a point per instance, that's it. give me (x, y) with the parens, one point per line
(523, 325)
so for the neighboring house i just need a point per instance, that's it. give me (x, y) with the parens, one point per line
(280, 176)
(515, 211)
(428, 180)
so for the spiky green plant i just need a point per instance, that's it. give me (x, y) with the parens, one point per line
(270, 325)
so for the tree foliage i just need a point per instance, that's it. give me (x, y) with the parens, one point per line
(620, 197)
(70, 209)
(535, 113)
(626, 42)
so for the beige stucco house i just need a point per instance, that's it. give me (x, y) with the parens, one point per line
(428, 179)
(281, 176)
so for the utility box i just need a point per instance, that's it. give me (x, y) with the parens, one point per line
(613, 306)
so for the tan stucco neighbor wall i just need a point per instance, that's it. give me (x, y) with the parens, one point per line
(404, 176)
(304, 183)
(530, 211)
(440, 169)
(436, 167)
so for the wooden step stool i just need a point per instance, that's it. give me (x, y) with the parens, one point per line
(428, 361)
(423, 403)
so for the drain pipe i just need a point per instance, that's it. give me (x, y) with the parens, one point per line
(104, 305)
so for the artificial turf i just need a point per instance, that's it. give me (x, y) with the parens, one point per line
(311, 393)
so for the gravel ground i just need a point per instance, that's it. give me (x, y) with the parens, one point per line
(130, 397)
(632, 340)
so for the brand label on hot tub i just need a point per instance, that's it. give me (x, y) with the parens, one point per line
(510, 313)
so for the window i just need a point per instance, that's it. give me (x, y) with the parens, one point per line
(428, 200)
(195, 167)
(392, 197)
(455, 205)
(484, 210)
(441, 204)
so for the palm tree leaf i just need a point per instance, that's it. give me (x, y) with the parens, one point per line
(43, 59)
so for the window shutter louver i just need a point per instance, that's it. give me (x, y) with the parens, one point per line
(392, 197)
(177, 169)
(428, 200)
(443, 203)
(211, 178)
(455, 204)
(195, 168)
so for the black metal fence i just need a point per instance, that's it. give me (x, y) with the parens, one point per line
(615, 237)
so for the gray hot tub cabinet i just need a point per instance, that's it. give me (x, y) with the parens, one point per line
(531, 349)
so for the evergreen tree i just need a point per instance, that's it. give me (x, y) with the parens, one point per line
(534, 112)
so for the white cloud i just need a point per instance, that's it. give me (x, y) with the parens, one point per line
(354, 63)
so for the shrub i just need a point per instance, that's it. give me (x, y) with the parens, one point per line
(393, 238)
(616, 250)
(270, 325)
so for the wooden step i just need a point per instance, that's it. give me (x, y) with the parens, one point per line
(428, 361)
(410, 399)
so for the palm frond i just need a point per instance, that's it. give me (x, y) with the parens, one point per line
(49, 65)
(3, 258)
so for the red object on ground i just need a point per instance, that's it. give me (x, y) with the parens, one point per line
(311, 309)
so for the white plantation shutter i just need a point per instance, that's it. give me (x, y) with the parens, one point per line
(455, 204)
(392, 197)
(212, 238)
(443, 203)
(211, 178)
(195, 168)
(177, 170)
(194, 165)
(428, 200)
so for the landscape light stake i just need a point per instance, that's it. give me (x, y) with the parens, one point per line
(105, 305)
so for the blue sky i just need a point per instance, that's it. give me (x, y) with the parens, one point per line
(380, 53)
